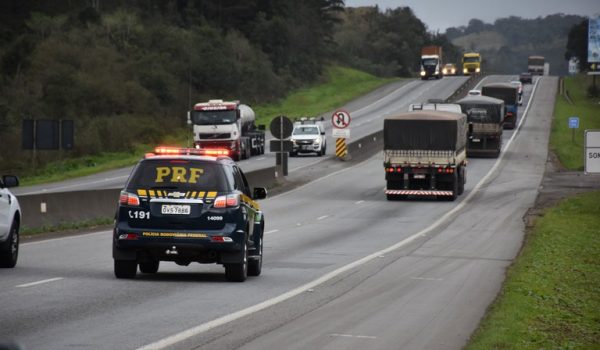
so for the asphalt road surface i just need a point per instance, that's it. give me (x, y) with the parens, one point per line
(343, 268)
(366, 112)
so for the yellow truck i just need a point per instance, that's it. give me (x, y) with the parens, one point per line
(471, 63)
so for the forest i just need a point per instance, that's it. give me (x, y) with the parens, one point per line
(126, 72)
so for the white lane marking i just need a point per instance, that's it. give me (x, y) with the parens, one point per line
(426, 279)
(65, 238)
(358, 202)
(261, 158)
(271, 231)
(194, 331)
(38, 282)
(309, 164)
(352, 336)
(83, 184)
(322, 217)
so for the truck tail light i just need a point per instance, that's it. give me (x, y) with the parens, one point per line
(130, 199)
(228, 201)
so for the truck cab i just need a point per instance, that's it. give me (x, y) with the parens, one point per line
(471, 63)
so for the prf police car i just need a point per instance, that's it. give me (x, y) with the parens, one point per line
(188, 205)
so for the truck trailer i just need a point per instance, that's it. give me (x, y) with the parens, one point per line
(485, 119)
(227, 125)
(510, 95)
(431, 62)
(425, 154)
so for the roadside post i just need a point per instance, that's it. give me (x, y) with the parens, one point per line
(341, 131)
(573, 124)
(592, 152)
(281, 128)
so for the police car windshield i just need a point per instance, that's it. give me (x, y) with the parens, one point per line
(179, 174)
(306, 130)
(214, 117)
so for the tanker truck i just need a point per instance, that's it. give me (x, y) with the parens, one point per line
(424, 154)
(228, 125)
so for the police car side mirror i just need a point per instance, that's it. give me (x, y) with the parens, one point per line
(259, 193)
(10, 181)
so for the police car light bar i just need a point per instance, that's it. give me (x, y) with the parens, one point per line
(162, 150)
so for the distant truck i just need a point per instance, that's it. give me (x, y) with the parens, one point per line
(535, 65)
(431, 62)
(471, 63)
(227, 125)
(485, 119)
(510, 95)
(425, 154)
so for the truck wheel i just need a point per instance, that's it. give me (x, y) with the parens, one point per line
(255, 261)
(238, 272)
(9, 251)
(125, 268)
(149, 267)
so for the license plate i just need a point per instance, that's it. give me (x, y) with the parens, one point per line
(175, 209)
(419, 176)
(305, 147)
(476, 140)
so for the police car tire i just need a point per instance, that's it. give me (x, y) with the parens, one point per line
(9, 250)
(149, 267)
(255, 262)
(238, 272)
(125, 268)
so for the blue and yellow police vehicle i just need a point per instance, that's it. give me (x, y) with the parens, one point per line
(188, 205)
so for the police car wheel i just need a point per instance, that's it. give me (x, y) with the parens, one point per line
(238, 272)
(149, 267)
(9, 250)
(125, 268)
(255, 262)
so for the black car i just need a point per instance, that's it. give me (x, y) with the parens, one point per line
(525, 78)
(188, 205)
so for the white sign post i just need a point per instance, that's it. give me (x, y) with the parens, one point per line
(592, 152)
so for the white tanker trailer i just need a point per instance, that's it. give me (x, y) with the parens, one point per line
(227, 125)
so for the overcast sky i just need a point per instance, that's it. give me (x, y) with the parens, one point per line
(441, 14)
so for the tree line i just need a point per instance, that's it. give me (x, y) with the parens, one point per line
(127, 71)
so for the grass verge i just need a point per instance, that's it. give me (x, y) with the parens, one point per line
(551, 296)
(569, 150)
(340, 87)
(67, 226)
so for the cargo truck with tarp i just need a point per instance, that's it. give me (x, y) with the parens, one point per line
(510, 95)
(485, 119)
(425, 154)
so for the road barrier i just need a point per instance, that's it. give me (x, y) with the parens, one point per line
(50, 209)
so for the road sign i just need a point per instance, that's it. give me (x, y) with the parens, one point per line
(340, 119)
(592, 152)
(340, 148)
(281, 146)
(340, 133)
(573, 122)
(281, 127)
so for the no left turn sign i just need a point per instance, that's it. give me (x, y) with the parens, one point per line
(340, 119)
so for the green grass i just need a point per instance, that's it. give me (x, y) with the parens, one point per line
(77, 167)
(551, 298)
(341, 86)
(67, 226)
(569, 152)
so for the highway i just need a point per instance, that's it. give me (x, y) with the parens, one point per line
(366, 112)
(343, 267)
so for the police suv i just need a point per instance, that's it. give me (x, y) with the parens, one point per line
(188, 205)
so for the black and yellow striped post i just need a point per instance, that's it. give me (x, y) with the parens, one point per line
(341, 151)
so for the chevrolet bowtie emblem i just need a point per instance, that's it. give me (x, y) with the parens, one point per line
(176, 194)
